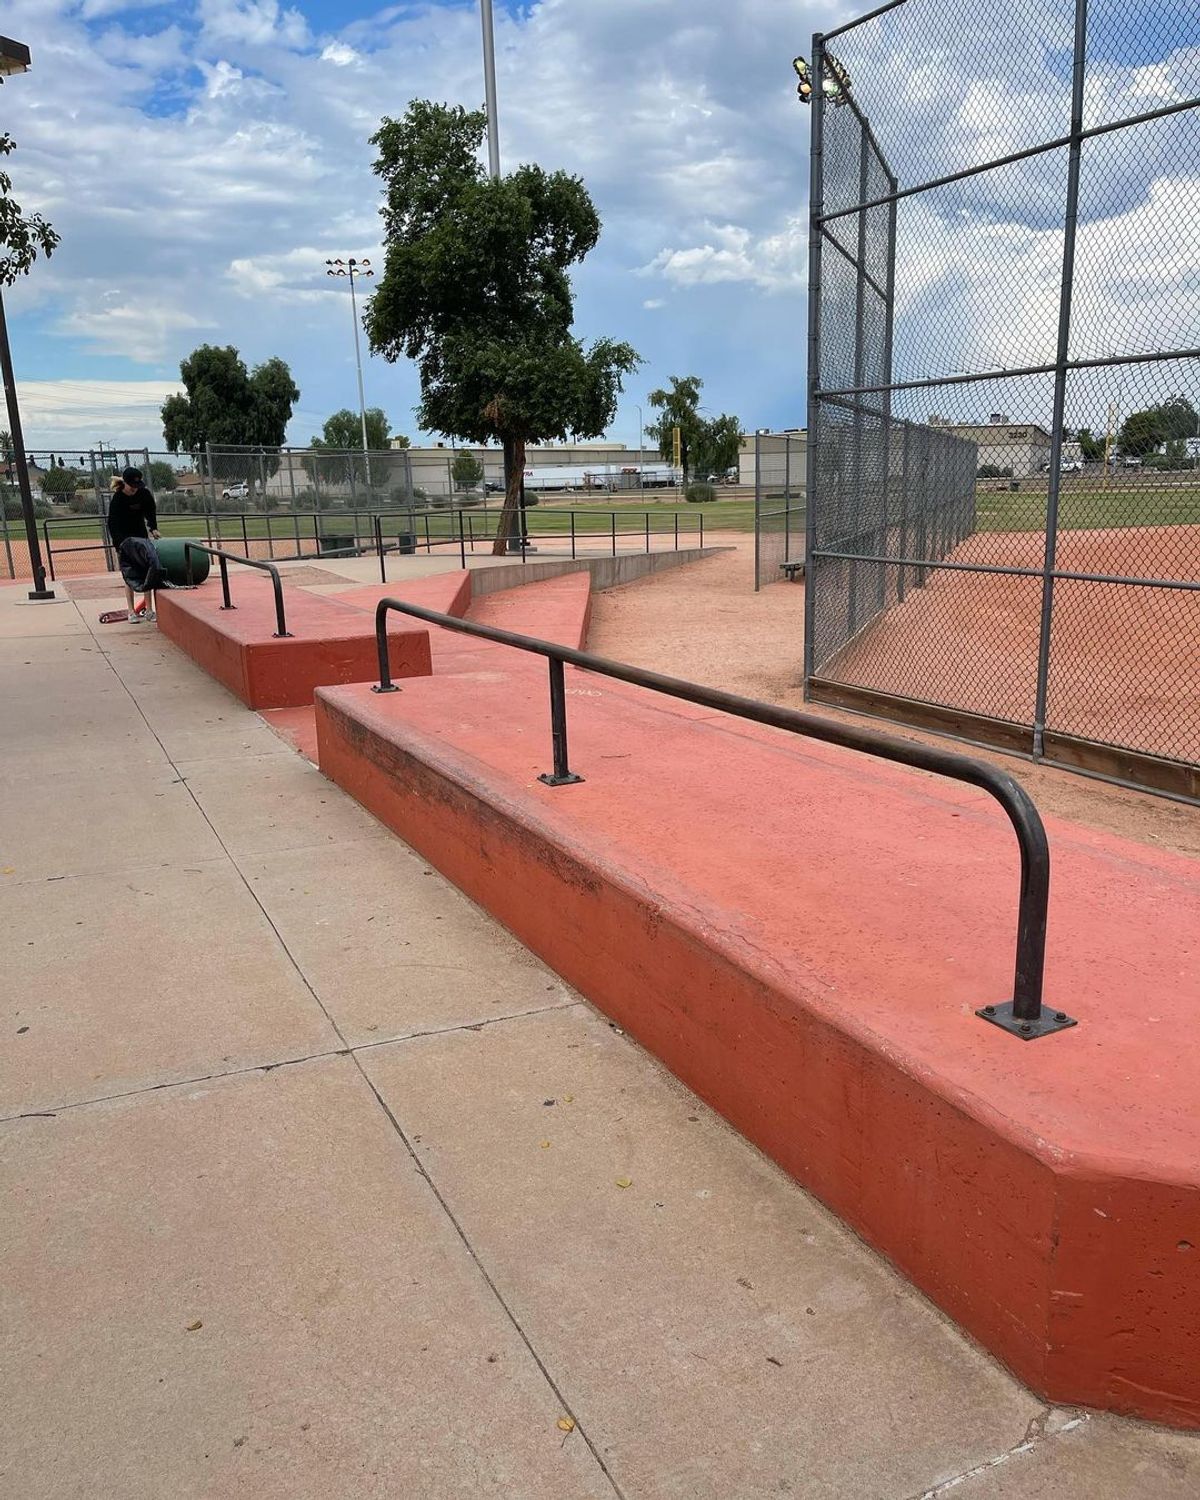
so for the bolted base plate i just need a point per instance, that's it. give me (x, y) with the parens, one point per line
(568, 780)
(1047, 1023)
(41, 596)
(392, 688)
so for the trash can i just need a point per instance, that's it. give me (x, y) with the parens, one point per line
(337, 542)
(174, 561)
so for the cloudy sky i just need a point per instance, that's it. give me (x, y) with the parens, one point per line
(203, 158)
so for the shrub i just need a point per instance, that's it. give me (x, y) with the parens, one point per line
(700, 494)
(993, 471)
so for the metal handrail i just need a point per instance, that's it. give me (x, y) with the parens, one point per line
(224, 559)
(1024, 1015)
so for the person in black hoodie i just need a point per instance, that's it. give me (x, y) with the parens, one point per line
(132, 513)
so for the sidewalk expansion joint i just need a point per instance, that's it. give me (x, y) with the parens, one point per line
(347, 1050)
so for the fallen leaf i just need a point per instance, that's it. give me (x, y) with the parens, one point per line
(194, 1327)
(624, 1182)
(545, 1145)
(9, 870)
(566, 1424)
(568, 1098)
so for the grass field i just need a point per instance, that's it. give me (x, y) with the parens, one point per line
(1090, 508)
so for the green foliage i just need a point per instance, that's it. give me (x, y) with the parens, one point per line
(466, 470)
(160, 475)
(1091, 448)
(992, 471)
(61, 482)
(1178, 419)
(342, 434)
(12, 504)
(227, 405)
(1169, 421)
(398, 440)
(475, 289)
(708, 445)
(700, 494)
(344, 430)
(21, 237)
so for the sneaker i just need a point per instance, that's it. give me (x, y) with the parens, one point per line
(134, 617)
(150, 615)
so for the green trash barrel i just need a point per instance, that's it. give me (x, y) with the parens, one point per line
(174, 563)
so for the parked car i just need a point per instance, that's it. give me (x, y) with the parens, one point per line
(236, 492)
(1133, 463)
(1072, 466)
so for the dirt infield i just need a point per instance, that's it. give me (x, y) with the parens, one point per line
(1123, 658)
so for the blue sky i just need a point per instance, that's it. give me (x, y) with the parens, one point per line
(202, 159)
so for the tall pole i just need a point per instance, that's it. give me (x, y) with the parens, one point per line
(641, 451)
(489, 87)
(362, 400)
(352, 268)
(39, 590)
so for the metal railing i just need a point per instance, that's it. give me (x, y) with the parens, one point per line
(292, 536)
(1024, 1015)
(224, 559)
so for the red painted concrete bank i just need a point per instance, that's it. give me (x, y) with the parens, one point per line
(330, 642)
(802, 936)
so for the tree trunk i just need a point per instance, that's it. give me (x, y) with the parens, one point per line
(514, 471)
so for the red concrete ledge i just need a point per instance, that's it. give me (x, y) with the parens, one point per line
(802, 936)
(330, 641)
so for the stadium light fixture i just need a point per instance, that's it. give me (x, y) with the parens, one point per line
(14, 57)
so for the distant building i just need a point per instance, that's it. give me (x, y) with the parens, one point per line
(782, 454)
(1022, 447)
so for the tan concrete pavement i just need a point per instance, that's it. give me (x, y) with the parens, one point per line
(317, 1184)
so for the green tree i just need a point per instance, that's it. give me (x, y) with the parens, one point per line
(61, 482)
(475, 289)
(1141, 433)
(160, 475)
(1091, 448)
(466, 470)
(226, 405)
(679, 407)
(21, 237)
(707, 445)
(398, 440)
(342, 435)
(344, 430)
(1178, 419)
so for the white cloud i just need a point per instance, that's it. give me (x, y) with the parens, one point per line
(78, 413)
(261, 23)
(143, 329)
(339, 54)
(652, 304)
(773, 263)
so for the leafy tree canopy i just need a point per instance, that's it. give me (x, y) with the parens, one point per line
(475, 289)
(708, 445)
(21, 238)
(226, 405)
(344, 430)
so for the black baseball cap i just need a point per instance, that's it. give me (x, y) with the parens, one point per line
(132, 476)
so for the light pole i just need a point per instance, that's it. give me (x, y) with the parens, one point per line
(353, 268)
(489, 86)
(641, 451)
(14, 58)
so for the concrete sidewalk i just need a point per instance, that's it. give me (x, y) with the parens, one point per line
(317, 1184)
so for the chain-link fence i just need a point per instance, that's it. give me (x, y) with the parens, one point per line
(779, 506)
(1004, 379)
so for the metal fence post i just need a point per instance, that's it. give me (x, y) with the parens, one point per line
(1062, 354)
(816, 208)
(757, 509)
